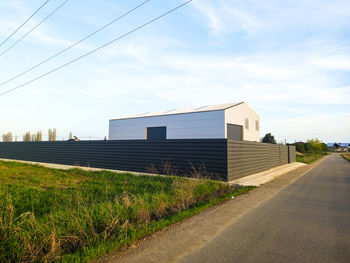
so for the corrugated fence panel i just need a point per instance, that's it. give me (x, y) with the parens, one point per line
(245, 158)
(218, 159)
(180, 157)
(292, 153)
(283, 154)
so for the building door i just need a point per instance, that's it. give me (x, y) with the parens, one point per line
(234, 132)
(156, 133)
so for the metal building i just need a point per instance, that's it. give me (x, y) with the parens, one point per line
(226, 121)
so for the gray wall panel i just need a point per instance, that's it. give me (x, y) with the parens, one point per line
(208, 156)
(219, 159)
(246, 158)
(292, 153)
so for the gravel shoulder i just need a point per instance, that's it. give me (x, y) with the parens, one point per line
(191, 234)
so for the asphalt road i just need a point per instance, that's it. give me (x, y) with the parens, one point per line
(307, 221)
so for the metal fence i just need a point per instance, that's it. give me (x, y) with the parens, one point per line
(218, 159)
(179, 157)
(245, 158)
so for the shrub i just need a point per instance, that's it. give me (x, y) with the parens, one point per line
(300, 147)
(269, 138)
(314, 146)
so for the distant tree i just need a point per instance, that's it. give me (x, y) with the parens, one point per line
(34, 137)
(27, 137)
(52, 135)
(300, 147)
(269, 138)
(314, 146)
(336, 146)
(39, 136)
(324, 147)
(49, 133)
(7, 137)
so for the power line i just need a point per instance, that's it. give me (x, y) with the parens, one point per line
(30, 31)
(14, 32)
(96, 49)
(73, 45)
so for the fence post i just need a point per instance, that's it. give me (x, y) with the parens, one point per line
(288, 154)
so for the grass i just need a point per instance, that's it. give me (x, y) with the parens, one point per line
(309, 157)
(346, 156)
(76, 216)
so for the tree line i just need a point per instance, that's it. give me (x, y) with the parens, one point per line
(32, 137)
(310, 146)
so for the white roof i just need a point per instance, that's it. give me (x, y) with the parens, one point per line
(183, 111)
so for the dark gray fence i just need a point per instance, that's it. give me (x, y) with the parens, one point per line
(245, 158)
(218, 159)
(180, 157)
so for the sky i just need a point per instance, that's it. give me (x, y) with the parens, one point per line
(289, 60)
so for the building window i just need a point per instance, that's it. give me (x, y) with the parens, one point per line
(257, 125)
(246, 123)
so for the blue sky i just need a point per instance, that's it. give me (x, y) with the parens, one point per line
(289, 60)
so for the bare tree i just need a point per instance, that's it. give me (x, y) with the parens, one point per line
(27, 137)
(52, 134)
(7, 137)
(34, 137)
(39, 136)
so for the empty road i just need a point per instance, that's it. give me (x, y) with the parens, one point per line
(307, 221)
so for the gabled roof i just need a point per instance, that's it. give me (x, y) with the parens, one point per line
(183, 111)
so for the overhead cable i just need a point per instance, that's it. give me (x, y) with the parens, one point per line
(96, 49)
(73, 45)
(18, 28)
(35, 27)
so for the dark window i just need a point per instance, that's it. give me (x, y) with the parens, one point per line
(156, 133)
(234, 132)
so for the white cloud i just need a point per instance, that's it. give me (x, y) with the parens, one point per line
(261, 17)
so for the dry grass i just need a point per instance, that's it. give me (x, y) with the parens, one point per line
(73, 216)
(346, 156)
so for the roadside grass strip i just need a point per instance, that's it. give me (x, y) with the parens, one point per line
(309, 157)
(76, 216)
(346, 156)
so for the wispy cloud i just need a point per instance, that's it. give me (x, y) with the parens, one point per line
(288, 59)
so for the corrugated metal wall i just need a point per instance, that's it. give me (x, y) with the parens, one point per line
(208, 156)
(245, 158)
(218, 159)
(292, 153)
(196, 125)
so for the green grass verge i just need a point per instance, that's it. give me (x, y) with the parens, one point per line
(346, 156)
(76, 216)
(309, 157)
